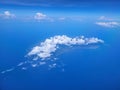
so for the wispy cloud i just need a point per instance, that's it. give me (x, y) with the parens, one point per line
(8, 70)
(105, 18)
(108, 24)
(49, 46)
(7, 15)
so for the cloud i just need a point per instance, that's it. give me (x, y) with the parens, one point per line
(53, 65)
(46, 49)
(8, 70)
(7, 15)
(43, 54)
(24, 68)
(105, 18)
(40, 16)
(20, 64)
(108, 24)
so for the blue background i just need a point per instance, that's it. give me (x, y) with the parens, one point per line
(85, 68)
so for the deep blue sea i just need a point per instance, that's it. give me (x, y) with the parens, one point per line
(84, 68)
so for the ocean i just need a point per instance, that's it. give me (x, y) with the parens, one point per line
(80, 68)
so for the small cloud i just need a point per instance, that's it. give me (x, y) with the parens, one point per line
(40, 16)
(8, 70)
(34, 65)
(108, 24)
(7, 15)
(24, 68)
(52, 65)
(20, 64)
(42, 63)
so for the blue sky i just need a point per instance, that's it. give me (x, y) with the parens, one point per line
(83, 5)
(62, 3)
(60, 10)
(63, 7)
(100, 12)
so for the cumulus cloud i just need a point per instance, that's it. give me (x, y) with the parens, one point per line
(7, 15)
(108, 24)
(40, 16)
(49, 46)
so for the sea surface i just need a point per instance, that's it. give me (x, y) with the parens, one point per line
(88, 68)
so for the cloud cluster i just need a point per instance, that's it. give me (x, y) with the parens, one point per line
(108, 24)
(50, 45)
(7, 15)
(46, 49)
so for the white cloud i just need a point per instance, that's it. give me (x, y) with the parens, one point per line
(8, 70)
(52, 65)
(40, 16)
(24, 68)
(50, 45)
(7, 15)
(108, 24)
(42, 54)
(34, 65)
(42, 63)
(20, 64)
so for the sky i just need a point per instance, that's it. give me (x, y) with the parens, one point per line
(101, 5)
(61, 3)
(101, 12)
(108, 7)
